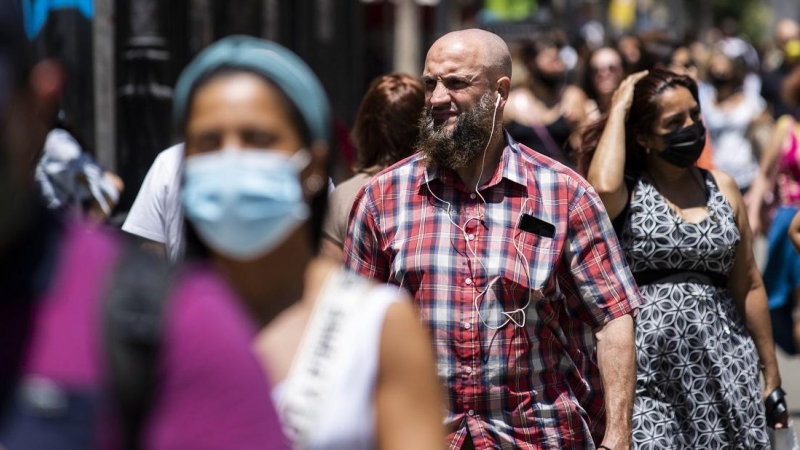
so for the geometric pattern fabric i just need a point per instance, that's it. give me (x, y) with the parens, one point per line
(697, 384)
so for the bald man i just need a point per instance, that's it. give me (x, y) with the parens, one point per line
(512, 262)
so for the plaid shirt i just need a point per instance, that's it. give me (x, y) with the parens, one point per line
(536, 387)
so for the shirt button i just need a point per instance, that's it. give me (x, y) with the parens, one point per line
(468, 369)
(471, 237)
(468, 281)
(471, 412)
(467, 325)
(472, 196)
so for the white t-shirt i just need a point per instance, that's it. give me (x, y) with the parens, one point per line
(156, 213)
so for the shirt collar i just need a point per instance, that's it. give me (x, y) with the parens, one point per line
(511, 167)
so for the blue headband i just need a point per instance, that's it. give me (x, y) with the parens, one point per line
(276, 63)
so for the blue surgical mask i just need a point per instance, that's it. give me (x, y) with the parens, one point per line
(244, 203)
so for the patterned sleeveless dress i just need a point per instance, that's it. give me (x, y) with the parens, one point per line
(697, 383)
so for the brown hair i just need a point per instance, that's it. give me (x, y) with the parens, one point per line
(386, 129)
(641, 119)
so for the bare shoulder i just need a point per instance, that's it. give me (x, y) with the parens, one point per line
(729, 188)
(725, 182)
(519, 102)
(574, 93)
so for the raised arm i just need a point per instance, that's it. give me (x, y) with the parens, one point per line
(765, 177)
(607, 170)
(747, 290)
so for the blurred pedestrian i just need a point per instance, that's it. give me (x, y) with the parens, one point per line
(778, 185)
(72, 182)
(543, 113)
(737, 121)
(603, 77)
(156, 217)
(787, 40)
(513, 264)
(352, 366)
(92, 352)
(702, 336)
(385, 132)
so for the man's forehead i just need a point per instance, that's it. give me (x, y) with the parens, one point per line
(454, 59)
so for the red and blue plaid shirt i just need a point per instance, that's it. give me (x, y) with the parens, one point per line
(531, 387)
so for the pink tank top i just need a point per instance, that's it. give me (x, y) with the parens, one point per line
(789, 170)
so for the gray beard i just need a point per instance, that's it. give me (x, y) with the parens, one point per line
(455, 149)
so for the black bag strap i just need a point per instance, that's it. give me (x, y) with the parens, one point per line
(133, 317)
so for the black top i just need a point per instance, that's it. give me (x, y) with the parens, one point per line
(551, 140)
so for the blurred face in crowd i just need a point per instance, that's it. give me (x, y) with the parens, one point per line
(682, 63)
(547, 66)
(606, 70)
(785, 31)
(628, 47)
(721, 71)
(459, 103)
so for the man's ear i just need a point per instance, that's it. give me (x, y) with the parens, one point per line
(46, 83)
(315, 177)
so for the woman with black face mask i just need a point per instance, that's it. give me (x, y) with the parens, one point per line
(738, 121)
(544, 111)
(703, 335)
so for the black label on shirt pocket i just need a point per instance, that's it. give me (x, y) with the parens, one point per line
(537, 226)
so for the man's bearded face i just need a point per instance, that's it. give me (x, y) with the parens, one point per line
(455, 148)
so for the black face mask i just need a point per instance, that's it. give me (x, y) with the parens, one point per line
(683, 147)
(719, 81)
(550, 80)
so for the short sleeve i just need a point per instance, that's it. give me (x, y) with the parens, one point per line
(603, 281)
(212, 391)
(363, 253)
(146, 218)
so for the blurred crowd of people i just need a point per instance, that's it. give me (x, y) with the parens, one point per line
(541, 247)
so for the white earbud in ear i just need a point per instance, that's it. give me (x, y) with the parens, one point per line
(497, 103)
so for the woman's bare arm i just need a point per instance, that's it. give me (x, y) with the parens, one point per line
(747, 288)
(408, 398)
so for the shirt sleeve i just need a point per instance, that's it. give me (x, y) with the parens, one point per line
(605, 288)
(363, 252)
(146, 217)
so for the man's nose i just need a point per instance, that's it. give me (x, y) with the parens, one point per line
(440, 96)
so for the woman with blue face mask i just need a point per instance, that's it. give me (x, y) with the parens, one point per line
(351, 366)
(703, 337)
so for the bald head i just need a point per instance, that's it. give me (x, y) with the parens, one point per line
(786, 30)
(489, 50)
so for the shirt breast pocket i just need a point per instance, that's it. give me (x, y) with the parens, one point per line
(537, 252)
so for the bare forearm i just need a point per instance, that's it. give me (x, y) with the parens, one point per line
(759, 326)
(616, 358)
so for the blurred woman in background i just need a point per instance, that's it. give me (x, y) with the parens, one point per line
(703, 334)
(385, 132)
(603, 76)
(351, 366)
(779, 173)
(736, 121)
(543, 113)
